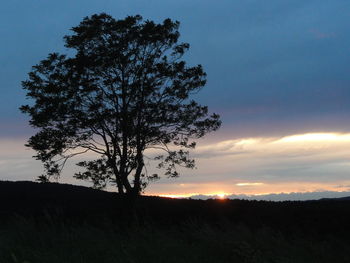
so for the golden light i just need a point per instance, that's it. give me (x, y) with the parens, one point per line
(249, 184)
(177, 195)
(252, 156)
(170, 196)
(248, 141)
(312, 137)
(221, 196)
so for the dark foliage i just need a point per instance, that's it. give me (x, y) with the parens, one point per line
(122, 92)
(82, 203)
(65, 223)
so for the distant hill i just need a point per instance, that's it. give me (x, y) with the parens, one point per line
(34, 190)
(296, 196)
(66, 223)
(345, 198)
(78, 203)
(31, 198)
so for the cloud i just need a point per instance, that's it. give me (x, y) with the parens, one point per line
(295, 163)
(263, 68)
(16, 161)
(299, 145)
(249, 184)
(279, 197)
(260, 165)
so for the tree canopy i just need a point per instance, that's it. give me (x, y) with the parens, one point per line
(122, 90)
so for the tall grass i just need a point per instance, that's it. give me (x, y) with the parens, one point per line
(53, 241)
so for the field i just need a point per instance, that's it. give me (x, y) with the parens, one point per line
(62, 223)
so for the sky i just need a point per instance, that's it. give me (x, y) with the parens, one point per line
(278, 74)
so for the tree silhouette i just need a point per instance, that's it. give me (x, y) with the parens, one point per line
(123, 91)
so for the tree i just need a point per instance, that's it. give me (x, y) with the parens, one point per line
(122, 92)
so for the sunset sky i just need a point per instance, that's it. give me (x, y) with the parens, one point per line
(278, 74)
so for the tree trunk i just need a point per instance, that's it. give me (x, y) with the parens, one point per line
(120, 186)
(117, 178)
(137, 179)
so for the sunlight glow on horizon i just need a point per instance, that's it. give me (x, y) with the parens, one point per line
(220, 195)
(250, 166)
(227, 195)
(254, 189)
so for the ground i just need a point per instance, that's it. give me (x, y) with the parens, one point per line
(64, 223)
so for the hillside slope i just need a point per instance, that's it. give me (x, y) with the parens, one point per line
(64, 223)
(33, 199)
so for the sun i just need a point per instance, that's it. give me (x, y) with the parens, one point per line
(221, 196)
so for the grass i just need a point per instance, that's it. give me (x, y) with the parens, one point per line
(48, 241)
(53, 223)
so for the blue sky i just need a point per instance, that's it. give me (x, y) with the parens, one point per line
(275, 68)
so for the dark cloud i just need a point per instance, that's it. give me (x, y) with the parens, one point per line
(267, 62)
(275, 68)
